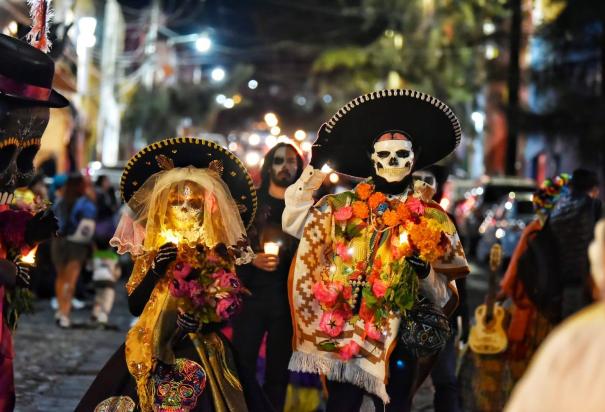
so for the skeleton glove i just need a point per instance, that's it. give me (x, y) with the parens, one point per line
(321, 153)
(166, 255)
(23, 277)
(41, 227)
(421, 267)
(187, 323)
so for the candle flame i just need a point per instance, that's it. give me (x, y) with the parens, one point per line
(271, 248)
(30, 257)
(171, 236)
(403, 238)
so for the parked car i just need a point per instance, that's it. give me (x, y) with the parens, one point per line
(504, 224)
(470, 213)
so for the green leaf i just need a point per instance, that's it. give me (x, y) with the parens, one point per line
(328, 345)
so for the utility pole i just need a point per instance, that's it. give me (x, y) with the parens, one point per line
(513, 88)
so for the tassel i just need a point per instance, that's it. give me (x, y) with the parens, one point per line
(41, 14)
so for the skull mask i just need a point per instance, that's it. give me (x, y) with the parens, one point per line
(178, 386)
(393, 157)
(425, 185)
(21, 128)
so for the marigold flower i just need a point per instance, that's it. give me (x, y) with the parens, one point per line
(360, 210)
(364, 190)
(390, 218)
(376, 199)
(403, 212)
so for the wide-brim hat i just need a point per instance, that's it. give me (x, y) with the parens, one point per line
(429, 123)
(26, 74)
(189, 151)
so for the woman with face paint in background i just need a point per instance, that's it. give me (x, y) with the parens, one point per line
(267, 310)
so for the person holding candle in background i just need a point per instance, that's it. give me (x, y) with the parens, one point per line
(266, 310)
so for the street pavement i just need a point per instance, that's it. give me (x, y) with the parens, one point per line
(54, 367)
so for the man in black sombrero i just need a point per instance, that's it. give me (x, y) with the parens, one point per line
(26, 95)
(372, 281)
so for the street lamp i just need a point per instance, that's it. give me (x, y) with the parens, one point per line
(218, 74)
(203, 44)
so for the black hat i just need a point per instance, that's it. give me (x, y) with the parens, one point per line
(26, 74)
(189, 151)
(428, 122)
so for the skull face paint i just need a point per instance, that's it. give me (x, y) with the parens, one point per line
(178, 386)
(393, 159)
(425, 185)
(21, 128)
(284, 167)
(185, 209)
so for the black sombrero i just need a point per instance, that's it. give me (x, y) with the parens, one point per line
(429, 123)
(189, 151)
(26, 74)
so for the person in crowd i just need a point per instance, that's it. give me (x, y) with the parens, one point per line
(186, 233)
(106, 270)
(428, 185)
(266, 310)
(76, 212)
(572, 223)
(26, 96)
(528, 327)
(567, 372)
(376, 262)
(107, 207)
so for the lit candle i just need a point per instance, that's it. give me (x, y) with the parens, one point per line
(30, 258)
(171, 236)
(403, 238)
(271, 248)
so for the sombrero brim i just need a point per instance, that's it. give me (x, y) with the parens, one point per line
(55, 100)
(429, 123)
(188, 151)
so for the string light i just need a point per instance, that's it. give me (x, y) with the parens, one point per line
(300, 135)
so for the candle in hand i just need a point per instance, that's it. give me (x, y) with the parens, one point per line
(171, 236)
(30, 257)
(271, 248)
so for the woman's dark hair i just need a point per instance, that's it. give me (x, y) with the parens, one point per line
(583, 180)
(37, 179)
(100, 179)
(74, 188)
(265, 171)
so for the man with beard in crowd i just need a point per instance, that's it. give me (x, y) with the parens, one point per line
(267, 310)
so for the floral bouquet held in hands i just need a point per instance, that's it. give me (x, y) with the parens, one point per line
(205, 284)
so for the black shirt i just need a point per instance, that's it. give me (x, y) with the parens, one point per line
(267, 228)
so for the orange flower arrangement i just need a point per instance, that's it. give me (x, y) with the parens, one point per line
(427, 239)
(403, 212)
(376, 199)
(390, 218)
(360, 209)
(364, 190)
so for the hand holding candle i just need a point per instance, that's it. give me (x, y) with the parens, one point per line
(30, 257)
(271, 248)
(268, 260)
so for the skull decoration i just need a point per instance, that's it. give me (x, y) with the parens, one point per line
(393, 157)
(425, 185)
(21, 128)
(178, 386)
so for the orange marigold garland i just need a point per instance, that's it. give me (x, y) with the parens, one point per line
(390, 218)
(360, 209)
(364, 190)
(376, 199)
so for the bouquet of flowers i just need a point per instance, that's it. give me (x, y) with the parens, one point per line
(204, 283)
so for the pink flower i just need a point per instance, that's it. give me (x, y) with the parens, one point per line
(181, 270)
(379, 288)
(226, 307)
(347, 291)
(343, 251)
(372, 331)
(415, 205)
(344, 213)
(327, 293)
(198, 300)
(178, 289)
(332, 323)
(349, 350)
(224, 279)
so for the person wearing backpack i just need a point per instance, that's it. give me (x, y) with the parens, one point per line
(76, 212)
(528, 326)
(572, 223)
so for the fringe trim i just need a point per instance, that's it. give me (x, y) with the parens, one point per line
(340, 371)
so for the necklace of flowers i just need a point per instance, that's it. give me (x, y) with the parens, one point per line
(379, 297)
